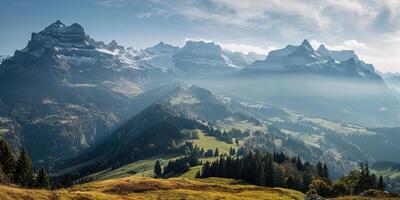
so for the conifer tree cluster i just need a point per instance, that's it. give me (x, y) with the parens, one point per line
(266, 170)
(193, 154)
(157, 169)
(258, 168)
(20, 171)
(230, 137)
(182, 165)
(367, 180)
(354, 183)
(322, 170)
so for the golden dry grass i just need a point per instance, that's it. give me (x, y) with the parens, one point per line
(149, 188)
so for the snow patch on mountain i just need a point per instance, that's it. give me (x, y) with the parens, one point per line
(3, 57)
(304, 59)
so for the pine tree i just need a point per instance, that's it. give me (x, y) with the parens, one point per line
(209, 153)
(157, 168)
(366, 179)
(186, 168)
(42, 179)
(198, 174)
(299, 164)
(260, 178)
(232, 151)
(320, 169)
(326, 171)
(381, 184)
(23, 173)
(237, 142)
(7, 160)
(216, 153)
(2, 175)
(269, 173)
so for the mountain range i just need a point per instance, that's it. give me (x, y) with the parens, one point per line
(332, 84)
(65, 90)
(305, 60)
(75, 102)
(65, 86)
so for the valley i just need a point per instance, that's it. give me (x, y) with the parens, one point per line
(193, 122)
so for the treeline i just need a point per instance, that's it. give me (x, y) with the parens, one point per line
(357, 181)
(231, 136)
(20, 171)
(192, 158)
(191, 149)
(279, 170)
(262, 169)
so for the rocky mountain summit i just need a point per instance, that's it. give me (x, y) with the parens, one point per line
(303, 59)
(65, 90)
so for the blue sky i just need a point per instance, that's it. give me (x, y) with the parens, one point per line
(370, 27)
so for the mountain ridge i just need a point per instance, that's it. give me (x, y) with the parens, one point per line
(69, 90)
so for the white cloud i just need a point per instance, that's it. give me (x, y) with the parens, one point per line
(198, 39)
(322, 15)
(353, 44)
(237, 47)
(246, 48)
(315, 44)
(366, 26)
(345, 45)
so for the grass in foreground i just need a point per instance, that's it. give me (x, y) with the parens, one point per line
(149, 188)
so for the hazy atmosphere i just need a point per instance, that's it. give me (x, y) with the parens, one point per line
(199, 99)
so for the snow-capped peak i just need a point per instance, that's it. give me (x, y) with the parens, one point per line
(55, 26)
(306, 45)
(304, 54)
(201, 47)
(59, 28)
(113, 45)
(59, 35)
(162, 48)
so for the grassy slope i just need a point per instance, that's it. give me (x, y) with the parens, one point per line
(145, 167)
(392, 174)
(148, 188)
(139, 168)
(209, 142)
(241, 125)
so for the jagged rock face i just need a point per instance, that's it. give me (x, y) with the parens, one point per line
(333, 84)
(65, 90)
(303, 59)
(162, 48)
(160, 56)
(337, 55)
(58, 34)
(198, 58)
